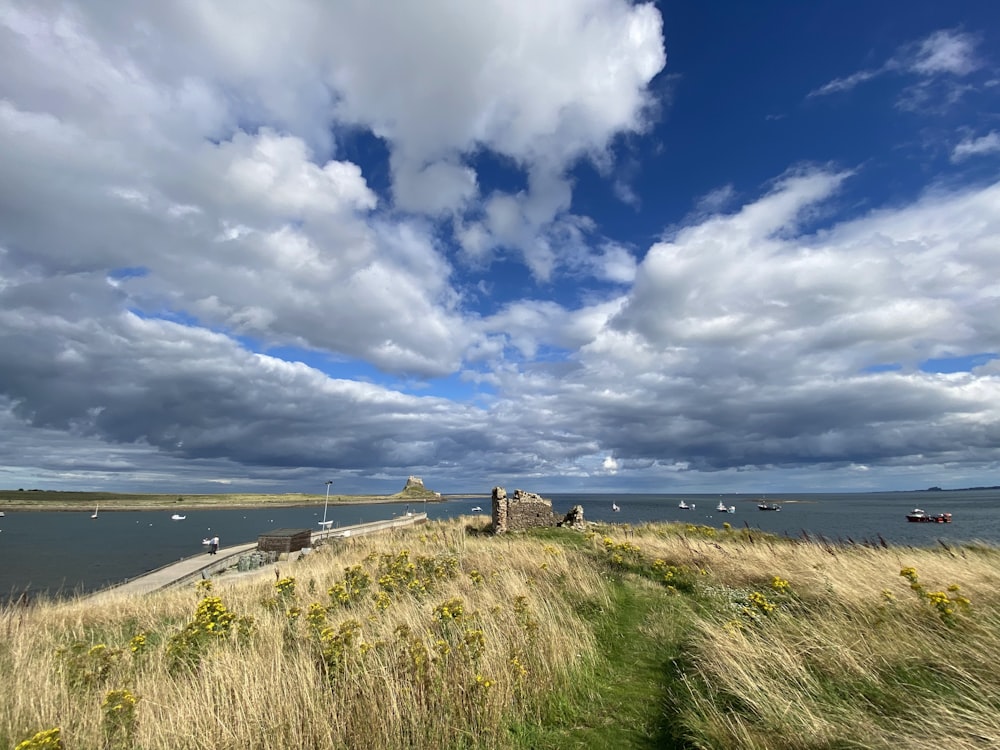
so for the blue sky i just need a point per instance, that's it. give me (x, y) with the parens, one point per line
(588, 245)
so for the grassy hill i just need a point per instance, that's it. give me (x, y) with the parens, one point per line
(415, 492)
(659, 636)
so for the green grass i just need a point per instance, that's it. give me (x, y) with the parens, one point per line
(620, 700)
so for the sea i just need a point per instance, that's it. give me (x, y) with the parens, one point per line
(69, 553)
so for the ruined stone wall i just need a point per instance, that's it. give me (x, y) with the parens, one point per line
(499, 510)
(525, 510)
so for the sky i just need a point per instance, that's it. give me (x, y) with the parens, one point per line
(578, 245)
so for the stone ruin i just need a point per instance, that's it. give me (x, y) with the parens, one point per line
(574, 519)
(527, 510)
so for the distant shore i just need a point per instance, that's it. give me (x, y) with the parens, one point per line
(44, 500)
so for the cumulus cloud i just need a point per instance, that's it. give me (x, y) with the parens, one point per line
(740, 345)
(743, 346)
(174, 198)
(196, 278)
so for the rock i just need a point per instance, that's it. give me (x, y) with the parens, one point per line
(574, 519)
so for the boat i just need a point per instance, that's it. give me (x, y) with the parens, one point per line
(919, 516)
(177, 517)
(325, 525)
(614, 507)
(477, 509)
(723, 508)
(96, 508)
(684, 506)
(2, 514)
(762, 505)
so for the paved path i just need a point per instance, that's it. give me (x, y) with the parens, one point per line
(205, 565)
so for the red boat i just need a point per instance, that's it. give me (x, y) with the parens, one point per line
(918, 516)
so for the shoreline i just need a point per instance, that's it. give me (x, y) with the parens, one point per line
(108, 503)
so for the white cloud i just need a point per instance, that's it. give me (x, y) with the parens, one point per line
(840, 85)
(616, 264)
(438, 82)
(169, 187)
(744, 344)
(273, 170)
(435, 189)
(741, 344)
(947, 52)
(971, 146)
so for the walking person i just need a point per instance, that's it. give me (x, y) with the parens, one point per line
(214, 546)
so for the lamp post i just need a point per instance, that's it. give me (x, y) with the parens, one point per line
(326, 503)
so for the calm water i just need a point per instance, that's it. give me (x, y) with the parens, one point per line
(68, 552)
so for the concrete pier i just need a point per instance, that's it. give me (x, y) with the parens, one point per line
(205, 565)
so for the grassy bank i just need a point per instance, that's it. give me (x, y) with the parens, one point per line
(665, 636)
(45, 500)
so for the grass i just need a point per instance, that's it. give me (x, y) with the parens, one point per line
(659, 636)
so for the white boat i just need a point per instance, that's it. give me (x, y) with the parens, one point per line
(2, 514)
(684, 506)
(614, 507)
(177, 517)
(324, 524)
(723, 508)
(477, 509)
(920, 516)
(96, 508)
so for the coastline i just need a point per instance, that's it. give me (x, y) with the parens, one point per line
(41, 501)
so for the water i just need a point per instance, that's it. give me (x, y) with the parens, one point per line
(858, 517)
(67, 552)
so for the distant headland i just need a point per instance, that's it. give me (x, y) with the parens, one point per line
(957, 489)
(56, 500)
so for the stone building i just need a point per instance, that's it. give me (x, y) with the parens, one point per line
(525, 510)
(284, 540)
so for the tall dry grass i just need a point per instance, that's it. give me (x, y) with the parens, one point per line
(407, 674)
(839, 649)
(438, 638)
